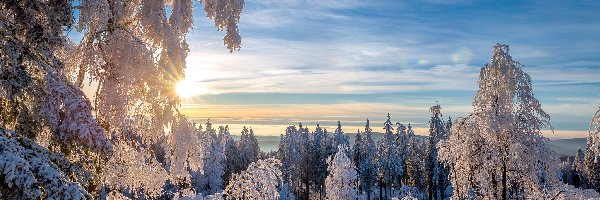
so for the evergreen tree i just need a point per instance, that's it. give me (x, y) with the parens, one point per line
(357, 158)
(578, 169)
(320, 155)
(436, 172)
(415, 164)
(387, 160)
(403, 151)
(339, 138)
(289, 154)
(231, 152)
(341, 182)
(366, 167)
(213, 162)
(307, 161)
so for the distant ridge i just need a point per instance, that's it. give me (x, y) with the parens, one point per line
(568, 147)
(564, 147)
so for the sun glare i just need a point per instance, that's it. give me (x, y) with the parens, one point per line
(187, 88)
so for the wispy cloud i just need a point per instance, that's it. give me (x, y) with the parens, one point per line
(402, 55)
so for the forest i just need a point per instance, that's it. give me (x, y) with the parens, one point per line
(130, 140)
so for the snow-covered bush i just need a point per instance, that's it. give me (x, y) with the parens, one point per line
(30, 171)
(410, 193)
(566, 192)
(262, 180)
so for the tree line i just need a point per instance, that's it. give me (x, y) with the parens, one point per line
(130, 140)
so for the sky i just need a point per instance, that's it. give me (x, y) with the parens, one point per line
(323, 61)
(320, 61)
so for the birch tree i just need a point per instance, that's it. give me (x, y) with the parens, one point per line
(498, 151)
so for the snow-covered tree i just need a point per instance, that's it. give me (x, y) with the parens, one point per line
(341, 182)
(567, 192)
(307, 161)
(319, 154)
(592, 154)
(135, 51)
(262, 180)
(387, 160)
(232, 154)
(578, 176)
(415, 160)
(339, 138)
(30, 171)
(289, 155)
(403, 151)
(122, 173)
(363, 157)
(498, 151)
(248, 148)
(212, 163)
(42, 109)
(35, 96)
(436, 173)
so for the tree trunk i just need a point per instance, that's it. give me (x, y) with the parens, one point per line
(307, 193)
(504, 189)
(430, 184)
(380, 190)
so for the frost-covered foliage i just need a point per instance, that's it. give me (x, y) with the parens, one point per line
(339, 138)
(341, 182)
(262, 180)
(566, 192)
(248, 148)
(594, 136)
(136, 53)
(387, 160)
(415, 160)
(33, 89)
(363, 156)
(135, 171)
(574, 172)
(30, 171)
(185, 153)
(437, 177)
(212, 162)
(498, 151)
(403, 151)
(189, 194)
(409, 193)
(592, 154)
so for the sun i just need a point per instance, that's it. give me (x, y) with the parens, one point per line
(188, 88)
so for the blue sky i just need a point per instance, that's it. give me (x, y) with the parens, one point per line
(320, 61)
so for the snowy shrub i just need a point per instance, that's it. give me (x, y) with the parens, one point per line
(30, 171)
(407, 192)
(262, 180)
(566, 192)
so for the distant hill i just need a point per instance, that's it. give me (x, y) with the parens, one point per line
(564, 147)
(568, 147)
(271, 143)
